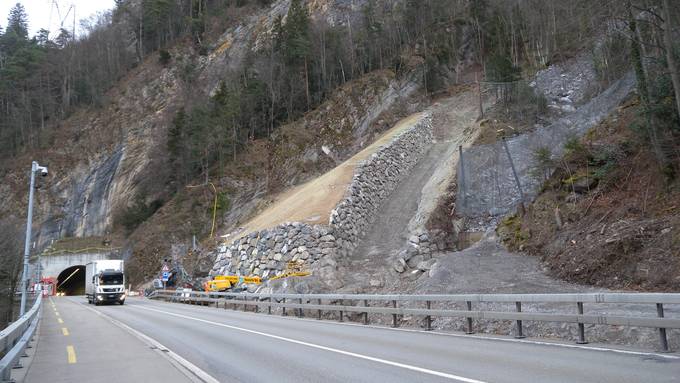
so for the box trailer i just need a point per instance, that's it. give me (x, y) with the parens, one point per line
(105, 282)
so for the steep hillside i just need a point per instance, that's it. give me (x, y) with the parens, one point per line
(608, 216)
(300, 151)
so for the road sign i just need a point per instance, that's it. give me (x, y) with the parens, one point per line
(165, 268)
(166, 276)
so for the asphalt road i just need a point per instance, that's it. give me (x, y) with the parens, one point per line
(232, 346)
(75, 344)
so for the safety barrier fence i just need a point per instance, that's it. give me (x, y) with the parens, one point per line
(15, 338)
(366, 303)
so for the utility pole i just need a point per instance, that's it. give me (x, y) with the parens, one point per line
(27, 243)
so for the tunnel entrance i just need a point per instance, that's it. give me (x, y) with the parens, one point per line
(71, 281)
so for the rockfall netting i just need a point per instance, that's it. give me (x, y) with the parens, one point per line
(486, 184)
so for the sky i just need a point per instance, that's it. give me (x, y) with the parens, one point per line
(46, 13)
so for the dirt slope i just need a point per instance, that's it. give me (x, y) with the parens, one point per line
(454, 123)
(313, 201)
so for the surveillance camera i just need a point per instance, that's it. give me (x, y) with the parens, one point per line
(42, 170)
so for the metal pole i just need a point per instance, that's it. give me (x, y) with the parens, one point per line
(514, 172)
(319, 311)
(366, 313)
(479, 90)
(662, 331)
(394, 316)
(520, 334)
(27, 242)
(428, 319)
(469, 319)
(461, 181)
(581, 326)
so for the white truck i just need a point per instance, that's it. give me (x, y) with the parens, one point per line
(105, 282)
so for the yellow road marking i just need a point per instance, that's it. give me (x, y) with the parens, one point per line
(56, 313)
(71, 354)
(64, 331)
(60, 321)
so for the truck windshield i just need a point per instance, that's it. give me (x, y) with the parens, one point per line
(111, 279)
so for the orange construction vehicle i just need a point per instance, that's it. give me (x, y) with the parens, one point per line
(226, 282)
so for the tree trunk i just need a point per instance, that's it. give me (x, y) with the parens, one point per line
(643, 90)
(307, 85)
(670, 57)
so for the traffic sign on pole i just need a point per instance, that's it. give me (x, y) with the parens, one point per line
(166, 276)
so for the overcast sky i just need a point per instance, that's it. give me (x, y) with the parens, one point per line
(46, 13)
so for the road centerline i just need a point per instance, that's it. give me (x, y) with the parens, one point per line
(71, 352)
(320, 347)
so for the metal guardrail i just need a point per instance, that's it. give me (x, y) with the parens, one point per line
(316, 302)
(15, 338)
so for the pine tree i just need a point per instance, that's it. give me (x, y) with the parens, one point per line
(17, 22)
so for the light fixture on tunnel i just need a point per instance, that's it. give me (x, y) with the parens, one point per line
(35, 167)
(67, 278)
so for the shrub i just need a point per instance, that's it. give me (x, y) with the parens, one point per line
(164, 57)
(542, 164)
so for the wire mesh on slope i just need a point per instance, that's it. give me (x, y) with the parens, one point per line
(486, 181)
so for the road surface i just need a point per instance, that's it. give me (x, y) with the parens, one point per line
(232, 346)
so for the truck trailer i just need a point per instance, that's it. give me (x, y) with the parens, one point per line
(105, 282)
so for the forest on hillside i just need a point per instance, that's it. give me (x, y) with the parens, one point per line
(45, 78)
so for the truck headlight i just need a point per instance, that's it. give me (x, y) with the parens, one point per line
(100, 298)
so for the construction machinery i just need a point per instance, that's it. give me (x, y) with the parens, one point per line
(226, 282)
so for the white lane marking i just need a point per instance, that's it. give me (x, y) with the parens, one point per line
(467, 336)
(192, 368)
(312, 345)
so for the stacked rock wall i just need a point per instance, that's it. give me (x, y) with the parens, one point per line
(265, 253)
(374, 180)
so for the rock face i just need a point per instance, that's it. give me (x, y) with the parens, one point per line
(265, 253)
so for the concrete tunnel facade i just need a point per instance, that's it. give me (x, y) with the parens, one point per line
(69, 270)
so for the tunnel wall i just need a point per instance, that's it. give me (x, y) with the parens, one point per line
(52, 265)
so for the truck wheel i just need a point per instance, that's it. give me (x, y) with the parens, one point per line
(122, 302)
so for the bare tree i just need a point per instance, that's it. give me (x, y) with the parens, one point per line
(11, 239)
(670, 54)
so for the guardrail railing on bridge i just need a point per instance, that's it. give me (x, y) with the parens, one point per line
(15, 338)
(335, 302)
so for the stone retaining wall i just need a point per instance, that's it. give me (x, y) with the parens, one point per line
(265, 253)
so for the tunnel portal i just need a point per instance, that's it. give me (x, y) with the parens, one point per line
(71, 281)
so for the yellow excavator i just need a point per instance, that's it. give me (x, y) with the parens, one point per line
(226, 282)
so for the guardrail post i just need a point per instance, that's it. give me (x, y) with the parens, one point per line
(366, 312)
(581, 326)
(428, 319)
(300, 313)
(469, 319)
(341, 313)
(319, 311)
(245, 304)
(519, 335)
(662, 331)
(394, 316)
(257, 306)
(283, 308)
(269, 306)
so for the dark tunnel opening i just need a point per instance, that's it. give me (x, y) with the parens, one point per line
(71, 281)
